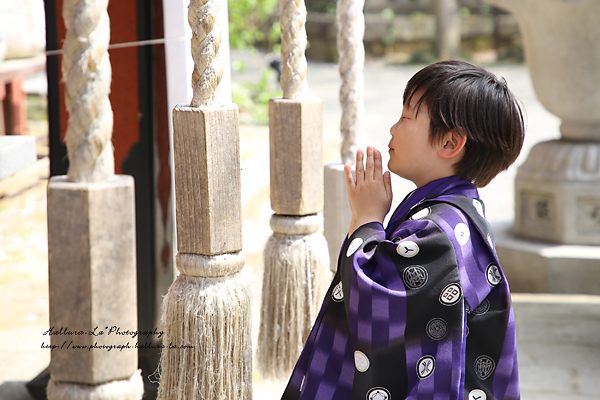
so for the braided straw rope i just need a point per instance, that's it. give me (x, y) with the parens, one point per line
(206, 44)
(87, 76)
(293, 45)
(351, 30)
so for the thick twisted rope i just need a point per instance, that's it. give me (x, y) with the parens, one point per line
(206, 43)
(351, 30)
(293, 45)
(87, 76)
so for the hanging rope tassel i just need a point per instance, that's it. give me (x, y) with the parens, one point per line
(208, 343)
(295, 279)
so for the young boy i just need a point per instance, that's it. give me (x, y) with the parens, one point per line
(421, 309)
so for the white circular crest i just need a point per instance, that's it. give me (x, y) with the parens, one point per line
(425, 367)
(361, 361)
(421, 214)
(451, 294)
(407, 249)
(477, 394)
(437, 329)
(492, 274)
(478, 206)
(354, 245)
(484, 367)
(461, 231)
(414, 277)
(338, 293)
(378, 393)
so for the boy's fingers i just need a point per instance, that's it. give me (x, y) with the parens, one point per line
(387, 183)
(360, 171)
(369, 170)
(350, 183)
(377, 163)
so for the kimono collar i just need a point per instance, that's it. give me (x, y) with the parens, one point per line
(451, 185)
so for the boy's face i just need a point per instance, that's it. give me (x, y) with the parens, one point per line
(411, 154)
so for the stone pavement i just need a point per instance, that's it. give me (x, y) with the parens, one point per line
(560, 350)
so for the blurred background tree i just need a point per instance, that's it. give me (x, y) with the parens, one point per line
(254, 24)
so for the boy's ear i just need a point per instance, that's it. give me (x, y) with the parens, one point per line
(452, 144)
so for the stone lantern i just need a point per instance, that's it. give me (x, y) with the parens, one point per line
(557, 189)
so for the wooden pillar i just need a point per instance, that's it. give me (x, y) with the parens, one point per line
(15, 106)
(206, 312)
(91, 231)
(295, 257)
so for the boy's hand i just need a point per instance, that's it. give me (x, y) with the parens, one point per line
(370, 196)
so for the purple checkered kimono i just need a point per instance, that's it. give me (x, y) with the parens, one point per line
(420, 310)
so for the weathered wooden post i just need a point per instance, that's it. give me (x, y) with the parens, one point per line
(206, 313)
(295, 256)
(91, 230)
(351, 51)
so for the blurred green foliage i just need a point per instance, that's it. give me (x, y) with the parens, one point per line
(252, 24)
(253, 98)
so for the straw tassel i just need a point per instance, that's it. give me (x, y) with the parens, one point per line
(295, 279)
(208, 343)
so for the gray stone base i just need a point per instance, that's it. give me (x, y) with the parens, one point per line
(534, 266)
(16, 153)
(336, 212)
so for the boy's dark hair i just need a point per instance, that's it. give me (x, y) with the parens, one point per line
(475, 103)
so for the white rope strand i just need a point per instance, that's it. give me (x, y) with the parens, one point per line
(206, 44)
(87, 75)
(351, 30)
(293, 45)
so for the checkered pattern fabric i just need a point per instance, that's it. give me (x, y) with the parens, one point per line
(420, 310)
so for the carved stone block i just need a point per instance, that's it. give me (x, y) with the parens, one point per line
(207, 179)
(557, 193)
(92, 279)
(296, 151)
